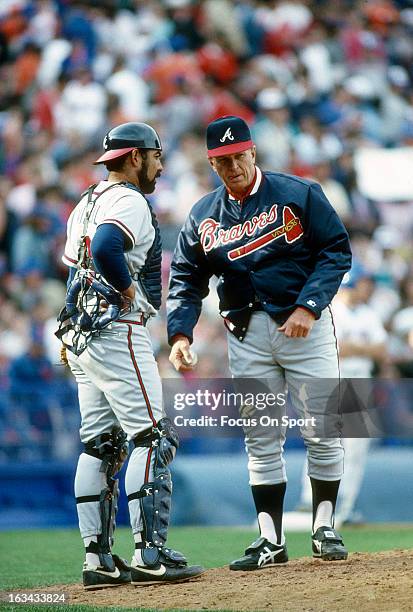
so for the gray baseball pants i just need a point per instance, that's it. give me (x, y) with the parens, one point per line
(266, 353)
(118, 384)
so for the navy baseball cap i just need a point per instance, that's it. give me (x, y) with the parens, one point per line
(227, 135)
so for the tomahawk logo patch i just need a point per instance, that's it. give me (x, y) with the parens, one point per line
(212, 236)
(291, 229)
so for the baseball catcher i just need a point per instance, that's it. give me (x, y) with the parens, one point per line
(113, 252)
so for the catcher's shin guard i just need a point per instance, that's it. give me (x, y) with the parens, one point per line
(155, 497)
(112, 449)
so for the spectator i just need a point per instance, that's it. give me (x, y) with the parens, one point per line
(131, 89)
(82, 110)
(318, 81)
(335, 192)
(272, 131)
(31, 377)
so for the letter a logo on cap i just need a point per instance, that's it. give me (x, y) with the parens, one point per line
(228, 135)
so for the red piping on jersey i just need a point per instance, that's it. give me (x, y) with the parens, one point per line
(69, 259)
(148, 464)
(122, 224)
(138, 374)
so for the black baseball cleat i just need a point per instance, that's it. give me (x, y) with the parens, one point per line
(96, 577)
(170, 567)
(328, 545)
(260, 554)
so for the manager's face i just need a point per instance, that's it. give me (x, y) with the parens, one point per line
(237, 170)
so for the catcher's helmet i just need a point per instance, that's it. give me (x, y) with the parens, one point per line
(126, 137)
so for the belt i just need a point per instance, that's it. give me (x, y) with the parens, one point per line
(257, 306)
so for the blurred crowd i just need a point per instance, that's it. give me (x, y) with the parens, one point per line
(317, 81)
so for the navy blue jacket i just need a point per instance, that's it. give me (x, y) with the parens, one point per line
(284, 246)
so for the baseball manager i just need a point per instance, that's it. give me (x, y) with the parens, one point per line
(279, 251)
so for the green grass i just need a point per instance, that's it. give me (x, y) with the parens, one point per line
(45, 557)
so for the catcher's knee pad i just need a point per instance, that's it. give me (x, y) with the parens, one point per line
(155, 496)
(112, 448)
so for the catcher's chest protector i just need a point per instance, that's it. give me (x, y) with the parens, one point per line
(81, 317)
(150, 276)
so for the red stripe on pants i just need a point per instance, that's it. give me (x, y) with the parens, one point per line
(135, 365)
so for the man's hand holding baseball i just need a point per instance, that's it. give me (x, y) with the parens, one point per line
(181, 357)
(299, 324)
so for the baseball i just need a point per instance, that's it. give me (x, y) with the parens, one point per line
(193, 362)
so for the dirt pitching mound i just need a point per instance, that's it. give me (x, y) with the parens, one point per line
(363, 583)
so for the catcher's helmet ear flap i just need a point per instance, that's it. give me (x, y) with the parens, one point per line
(126, 137)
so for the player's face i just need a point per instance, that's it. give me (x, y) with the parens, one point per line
(150, 170)
(236, 171)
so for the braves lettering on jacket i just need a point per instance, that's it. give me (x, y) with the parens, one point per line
(283, 246)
